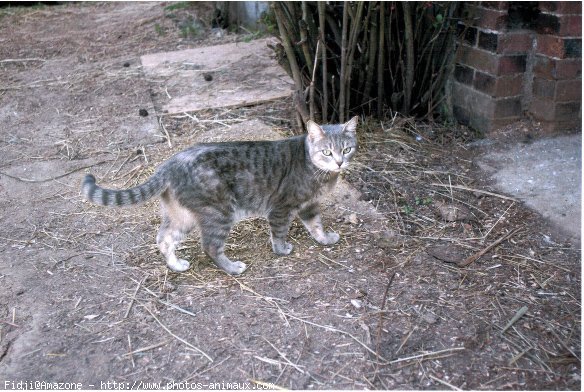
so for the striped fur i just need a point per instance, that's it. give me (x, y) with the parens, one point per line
(213, 186)
(119, 198)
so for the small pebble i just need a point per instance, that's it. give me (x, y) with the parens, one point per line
(143, 112)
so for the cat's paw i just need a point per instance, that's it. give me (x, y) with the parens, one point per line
(235, 268)
(282, 249)
(178, 265)
(329, 239)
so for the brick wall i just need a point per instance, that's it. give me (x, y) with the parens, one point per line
(514, 62)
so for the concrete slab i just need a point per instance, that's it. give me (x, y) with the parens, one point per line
(236, 74)
(546, 175)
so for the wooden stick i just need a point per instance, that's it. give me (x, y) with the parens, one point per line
(130, 353)
(178, 337)
(380, 324)
(311, 89)
(297, 367)
(51, 178)
(321, 20)
(132, 300)
(332, 329)
(409, 61)
(343, 78)
(513, 320)
(426, 354)
(465, 188)
(381, 60)
(153, 346)
(444, 383)
(479, 254)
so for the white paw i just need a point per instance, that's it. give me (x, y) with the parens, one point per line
(235, 268)
(329, 239)
(178, 265)
(282, 249)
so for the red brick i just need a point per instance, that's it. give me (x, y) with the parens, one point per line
(561, 7)
(472, 100)
(512, 64)
(568, 68)
(547, 23)
(516, 42)
(497, 5)
(507, 107)
(502, 86)
(543, 109)
(570, 26)
(552, 127)
(544, 88)
(554, 46)
(479, 59)
(566, 111)
(490, 19)
(548, 110)
(550, 45)
(559, 69)
(568, 90)
(463, 74)
(561, 25)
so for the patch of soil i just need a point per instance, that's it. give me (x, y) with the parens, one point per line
(85, 296)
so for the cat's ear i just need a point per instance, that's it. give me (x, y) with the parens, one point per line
(315, 132)
(351, 125)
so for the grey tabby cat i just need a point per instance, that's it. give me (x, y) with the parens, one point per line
(216, 185)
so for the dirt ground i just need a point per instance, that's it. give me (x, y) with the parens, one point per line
(85, 296)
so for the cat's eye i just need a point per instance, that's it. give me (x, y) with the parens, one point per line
(347, 150)
(327, 153)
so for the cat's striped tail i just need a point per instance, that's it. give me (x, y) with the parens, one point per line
(92, 192)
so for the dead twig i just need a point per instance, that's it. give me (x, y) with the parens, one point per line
(332, 329)
(465, 188)
(444, 383)
(29, 180)
(147, 348)
(423, 355)
(133, 299)
(514, 319)
(178, 337)
(297, 367)
(481, 253)
(380, 324)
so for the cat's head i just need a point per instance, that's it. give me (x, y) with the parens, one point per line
(331, 147)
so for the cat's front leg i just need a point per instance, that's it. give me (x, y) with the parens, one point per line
(279, 225)
(310, 217)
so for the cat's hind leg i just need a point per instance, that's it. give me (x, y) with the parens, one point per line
(279, 225)
(177, 222)
(310, 217)
(215, 227)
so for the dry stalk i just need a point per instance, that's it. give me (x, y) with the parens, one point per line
(424, 355)
(453, 387)
(51, 178)
(478, 255)
(465, 188)
(178, 337)
(332, 329)
(133, 299)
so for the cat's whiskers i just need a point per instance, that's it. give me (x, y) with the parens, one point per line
(320, 175)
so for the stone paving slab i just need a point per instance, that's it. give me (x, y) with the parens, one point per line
(235, 74)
